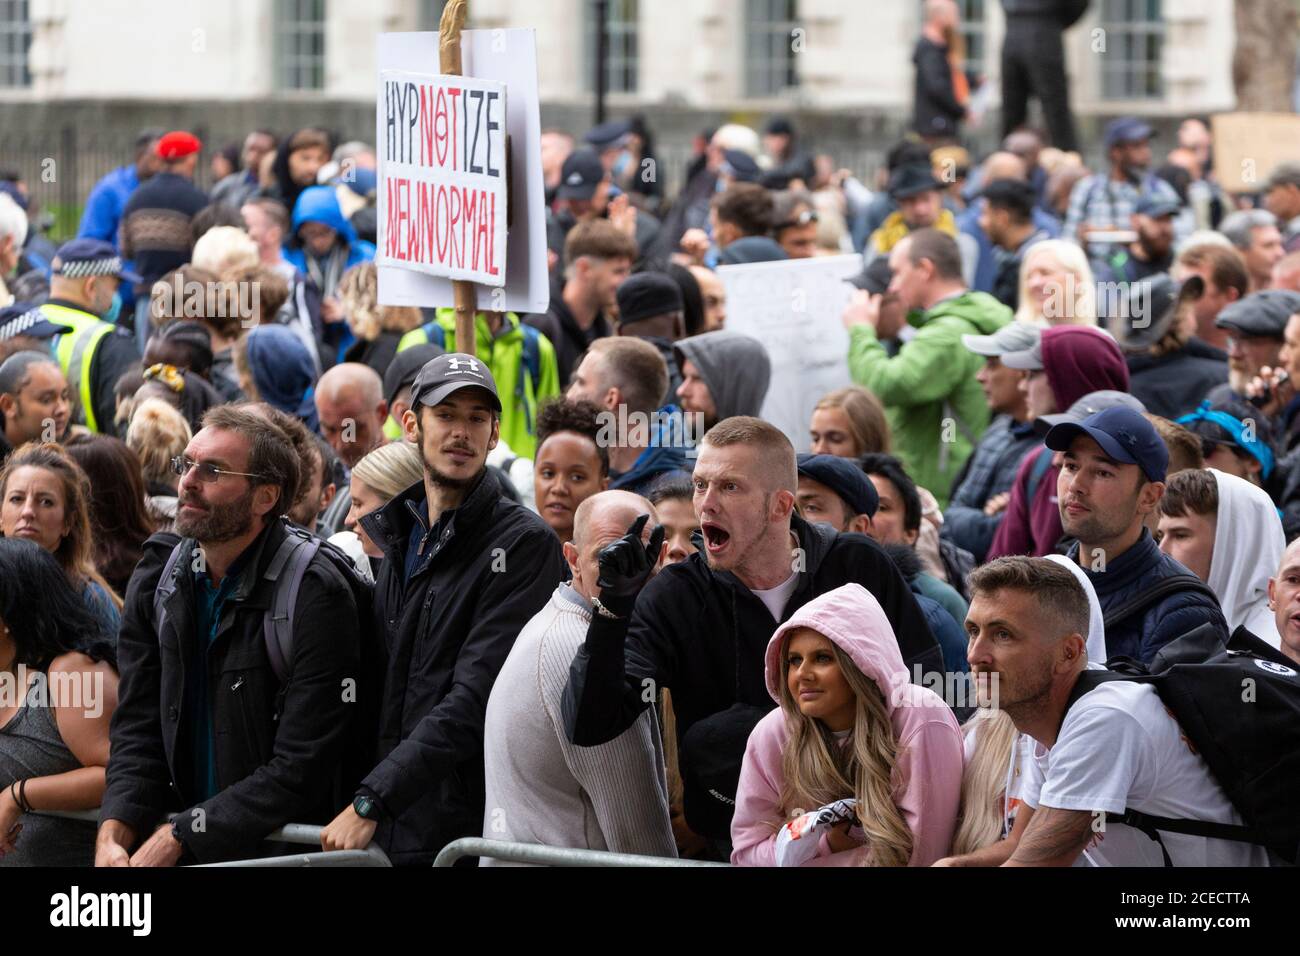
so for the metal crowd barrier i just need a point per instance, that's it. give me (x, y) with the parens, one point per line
(541, 855)
(296, 833)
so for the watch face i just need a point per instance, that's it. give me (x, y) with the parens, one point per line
(362, 805)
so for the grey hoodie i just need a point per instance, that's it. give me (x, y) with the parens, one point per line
(734, 366)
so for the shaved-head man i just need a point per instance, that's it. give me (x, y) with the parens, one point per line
(700, 627)
(1003, 165)
(540, 787)
(352, 410)
(1284, 599)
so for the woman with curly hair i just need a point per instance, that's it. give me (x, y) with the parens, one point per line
(857, 766)
(45, 498)
(378, 328)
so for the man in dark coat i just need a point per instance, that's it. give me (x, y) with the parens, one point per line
(1033, 64)
(203, 726)
(464, 570)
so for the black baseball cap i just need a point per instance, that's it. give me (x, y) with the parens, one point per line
(845, 478)
(1123, 434)
(581, 173)
(449, 373)
(406, 365)
(875, 277)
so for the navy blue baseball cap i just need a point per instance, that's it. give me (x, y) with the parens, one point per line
(845, 478)
(1123, 434)
(80, 258)
(581, 173)
(26, 318)
(1127, 129)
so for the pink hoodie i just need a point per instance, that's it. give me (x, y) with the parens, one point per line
(927, 776)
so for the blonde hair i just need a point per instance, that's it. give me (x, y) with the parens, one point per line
(866, 417)
(157, 434)
(818, 769)
(359, 292)
(390, 469)
(984, 781)
(224, 249)
(1071, 258)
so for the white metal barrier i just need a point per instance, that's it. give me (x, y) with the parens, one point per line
(541, 855)
(295, 833)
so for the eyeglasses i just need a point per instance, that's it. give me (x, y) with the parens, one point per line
(208, 473)
(805, 217)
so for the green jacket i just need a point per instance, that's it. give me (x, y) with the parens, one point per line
(504, 356)
(936, 409)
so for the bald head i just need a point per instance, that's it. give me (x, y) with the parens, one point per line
(350, 404)
(943, 12)
(600, 521)
(351, 378)
(1004, 165)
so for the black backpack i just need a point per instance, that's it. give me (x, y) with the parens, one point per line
(1239, 706)
(286, 570)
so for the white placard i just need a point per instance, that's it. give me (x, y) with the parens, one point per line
(794, 307)
(442, 173)
(507, 57)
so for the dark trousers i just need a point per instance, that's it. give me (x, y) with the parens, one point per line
(1033, 64)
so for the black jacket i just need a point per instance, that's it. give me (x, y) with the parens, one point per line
(570, 340)
(277, 750)
(684, 631)
(487, 568)
(1143, 634)
(377, 353)
(1175, 384)
(937, 111)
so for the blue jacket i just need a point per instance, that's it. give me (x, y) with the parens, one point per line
(320, 204)
(1142, 635)
(666, 453)
(103, 213)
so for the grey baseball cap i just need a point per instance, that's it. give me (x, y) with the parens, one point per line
(1088, 405)
(1029, 360)
(1012, 337)
(449, 373)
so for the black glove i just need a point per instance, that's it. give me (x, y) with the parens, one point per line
(626, 565)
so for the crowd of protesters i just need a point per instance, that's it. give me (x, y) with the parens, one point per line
(304, 561)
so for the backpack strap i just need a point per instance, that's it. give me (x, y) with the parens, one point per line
(285, 571)
(1041, 464)
(1152, 595)
(166, 585)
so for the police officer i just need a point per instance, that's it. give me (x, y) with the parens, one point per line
(93, 354)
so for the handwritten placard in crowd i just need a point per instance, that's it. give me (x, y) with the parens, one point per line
(443, 176)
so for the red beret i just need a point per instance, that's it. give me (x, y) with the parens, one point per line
(178, 144)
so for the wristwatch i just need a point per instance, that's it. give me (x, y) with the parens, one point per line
(365, 807)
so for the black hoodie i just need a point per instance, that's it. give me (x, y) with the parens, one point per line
(687, 624)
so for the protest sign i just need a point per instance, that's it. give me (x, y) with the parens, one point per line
(508, 59)
(443, 176)
(1247, 147)
(793, 307)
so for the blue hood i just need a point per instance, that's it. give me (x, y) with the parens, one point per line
(659, 457)
(320, 204)
(283, 372)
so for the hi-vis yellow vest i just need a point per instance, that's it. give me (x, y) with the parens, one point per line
(75, 351)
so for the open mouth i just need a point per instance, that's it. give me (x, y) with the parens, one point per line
(715, 538)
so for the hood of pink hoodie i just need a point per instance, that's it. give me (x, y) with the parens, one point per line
(853, 619)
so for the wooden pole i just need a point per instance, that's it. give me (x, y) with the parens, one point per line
(449, 63)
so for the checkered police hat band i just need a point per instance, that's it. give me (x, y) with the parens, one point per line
(20, 324)
(80, 268)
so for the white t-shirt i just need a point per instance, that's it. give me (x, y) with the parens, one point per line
(1118, 748)
(774, 598)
